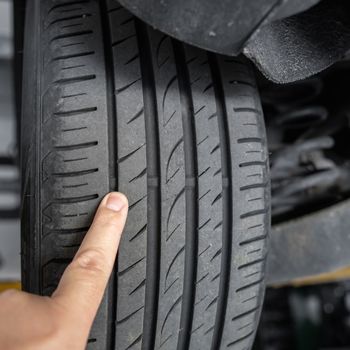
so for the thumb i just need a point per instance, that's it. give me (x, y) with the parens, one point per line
(82, 285)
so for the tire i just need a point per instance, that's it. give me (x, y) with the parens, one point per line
(109, 103)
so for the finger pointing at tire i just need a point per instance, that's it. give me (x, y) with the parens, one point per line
(31, 322)
(84, 281)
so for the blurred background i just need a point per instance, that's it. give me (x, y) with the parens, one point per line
(307, 305)
(9, 180)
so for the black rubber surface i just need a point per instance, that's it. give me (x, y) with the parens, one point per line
(111, 104)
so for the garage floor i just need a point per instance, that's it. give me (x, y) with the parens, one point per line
(9, 195)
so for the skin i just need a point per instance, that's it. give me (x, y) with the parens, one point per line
(63, 321)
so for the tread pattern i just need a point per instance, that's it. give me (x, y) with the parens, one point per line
(181, 132)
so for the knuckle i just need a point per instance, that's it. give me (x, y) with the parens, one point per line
(108, 226)
(107, 219)
(53, 331)
(93, 261)
(9, 295)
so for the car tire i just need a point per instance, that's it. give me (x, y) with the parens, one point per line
(112, 104)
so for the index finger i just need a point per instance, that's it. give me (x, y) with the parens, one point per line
(84, 281)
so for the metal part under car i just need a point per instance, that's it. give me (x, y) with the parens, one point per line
(306, 132)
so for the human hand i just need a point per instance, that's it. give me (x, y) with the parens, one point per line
(63, 321)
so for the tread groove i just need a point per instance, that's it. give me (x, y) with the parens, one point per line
(191, 197)
(73, 80)
(250, 139)
(247, 109)
(68, 231)
(67, 3)
(173, 261)
(226, 173)
(136, 116)
(75, 173)
(246, 313)
(245, 164)
(129, 316)
(122, 159)
(75, 55)
(251, 263)
(240, 339)
(127, 269)
(247, 286)
(71, 35)
(140, 285)
(69, 18)
(138, 233)
(250, 187)
(75, 112)
(79, 199)
(112, 152)
(136, 341)
(252, 240)
(154, 193)
(254, 213)
(176, 302)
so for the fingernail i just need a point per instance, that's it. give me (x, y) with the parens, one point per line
(115, 201)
